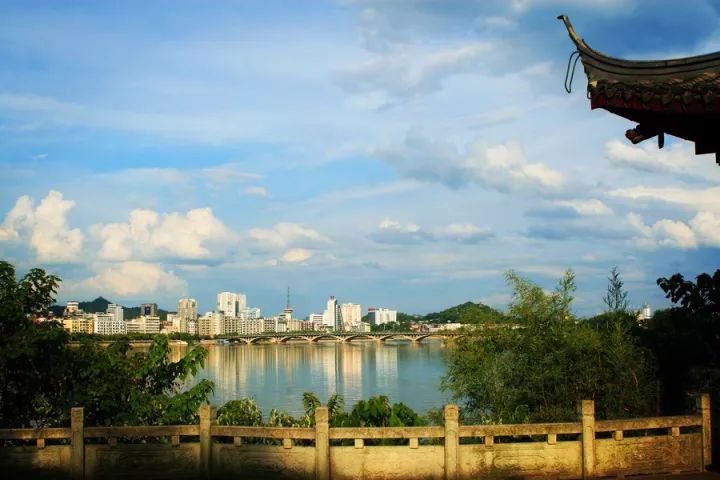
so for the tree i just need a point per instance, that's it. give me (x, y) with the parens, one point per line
(539, 371)
(616, 297)
(41, 377)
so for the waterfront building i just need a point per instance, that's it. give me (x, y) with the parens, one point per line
(116, 311)
(361, 327)
(380, 316)
(143, 324)
(211, 324)
(172, 324)
(294, 325)
(149, 309)
(106, 324)
(251, 326)
(192, 327)
(351, 315)
(251, 312)
(79, 323)
(71, 308)
(332, 317)
(187, 313)
(231, 304)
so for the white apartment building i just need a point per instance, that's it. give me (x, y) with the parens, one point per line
(294, 325)
(251, 312)
(231, 304)
(351, 315)
(116, 311)
(332, 317)
(192, 327)
(275, 325)
(143, 324)
(106, 324)
(251, 326)
(211, 324)
(380, 316)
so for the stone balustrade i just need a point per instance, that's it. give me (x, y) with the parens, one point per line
(584, 449)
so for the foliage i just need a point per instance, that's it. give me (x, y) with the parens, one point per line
(244, 411)
(33, 356)
(686, 339)
(539, 371)
(41, 376)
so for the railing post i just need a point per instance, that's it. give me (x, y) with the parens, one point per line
(704, 407)
(322, 443)
(587, 417)
(77, 443)
(208, 414)
(451, 414)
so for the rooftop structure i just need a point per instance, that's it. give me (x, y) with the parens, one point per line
(680, 97)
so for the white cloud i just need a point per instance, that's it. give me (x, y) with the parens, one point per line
(256, 191)
(677, 159)
(46, 226)
(131, 278)
(691, 198)
(393, 232)
(402, 75)
(502, 167)
(663, 233)
(283, 235)
(592, 207)
(706, 226)
(196, 235)
(296, 255)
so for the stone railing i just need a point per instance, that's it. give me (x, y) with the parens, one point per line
(584, 449)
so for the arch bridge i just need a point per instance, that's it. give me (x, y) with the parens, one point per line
(346, 337)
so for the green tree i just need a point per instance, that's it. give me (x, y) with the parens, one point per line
(616, 297)
(244, 411)
(540, 369)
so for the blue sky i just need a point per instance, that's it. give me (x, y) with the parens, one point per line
(392, 153)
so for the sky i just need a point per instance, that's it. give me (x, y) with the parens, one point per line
(402, 154)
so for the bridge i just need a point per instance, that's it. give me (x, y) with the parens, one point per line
(314, 337)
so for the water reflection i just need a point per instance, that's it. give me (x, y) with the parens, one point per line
(277, 375)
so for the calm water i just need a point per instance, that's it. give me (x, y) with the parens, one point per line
(277, 375)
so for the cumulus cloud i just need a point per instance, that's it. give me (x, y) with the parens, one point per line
(46, 227)
(131, 278)
(284, 235)
(196, 235)
(501, 167)
(677, 159)
(393, 232)
(663, 233)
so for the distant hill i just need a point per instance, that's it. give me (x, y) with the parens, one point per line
(467, 312)
(100, 304)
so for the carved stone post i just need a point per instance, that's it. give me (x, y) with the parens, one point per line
(587, 417)
(704, 407)
(452, 441)
(208, 415)
(77, 443)
(322, 443)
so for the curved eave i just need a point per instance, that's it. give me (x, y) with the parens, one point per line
(592, 59)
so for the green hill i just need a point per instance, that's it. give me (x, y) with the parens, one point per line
(468, 312)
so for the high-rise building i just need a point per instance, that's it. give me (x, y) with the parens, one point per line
(187, 314)
(149, 309)
(351, 314)
(332, 317)
(79, 323)
(380, 316)
(231, 304)
(116, 311)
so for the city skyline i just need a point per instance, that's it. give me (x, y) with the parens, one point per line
(390, 153)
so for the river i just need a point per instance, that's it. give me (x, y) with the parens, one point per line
(276, 375)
